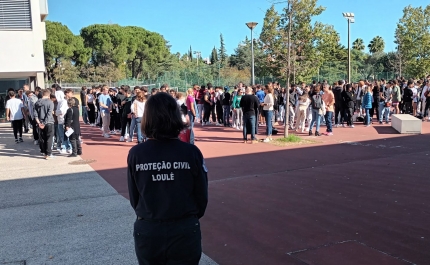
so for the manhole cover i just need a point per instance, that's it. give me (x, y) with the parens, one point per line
(82, 162)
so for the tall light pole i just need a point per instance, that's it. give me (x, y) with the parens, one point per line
(287, 107)
(251, 26)
(199, 54)
(351, 19)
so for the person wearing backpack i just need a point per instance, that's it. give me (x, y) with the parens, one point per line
(317, 104)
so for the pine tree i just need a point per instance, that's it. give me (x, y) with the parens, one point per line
(223, 57)
(190, 54)
(214, 56)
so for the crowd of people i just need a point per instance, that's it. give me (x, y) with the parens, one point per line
(51, 113)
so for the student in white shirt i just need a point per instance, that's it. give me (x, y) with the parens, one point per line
(15, 113)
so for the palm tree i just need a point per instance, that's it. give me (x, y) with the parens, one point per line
(376, 45)
(358, 44)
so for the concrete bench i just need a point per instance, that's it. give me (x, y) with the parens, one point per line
(405, 123)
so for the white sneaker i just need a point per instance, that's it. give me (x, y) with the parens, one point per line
(352, 126)
(241, 128)
(126, 136)
(237, 128)
(106, 135)
(63, 152)
(36, 142)
(121, 139)
(266, 140)
(101, 128)
(130, 140)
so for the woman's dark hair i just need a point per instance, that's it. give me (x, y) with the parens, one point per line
(162, 118)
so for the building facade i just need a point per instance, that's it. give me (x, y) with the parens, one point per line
(22, 32)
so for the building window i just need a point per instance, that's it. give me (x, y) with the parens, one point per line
(15, 15)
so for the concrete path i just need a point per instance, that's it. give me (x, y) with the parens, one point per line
(52, 212)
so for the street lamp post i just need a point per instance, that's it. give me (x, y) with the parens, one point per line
(351, 19)
(251, 26)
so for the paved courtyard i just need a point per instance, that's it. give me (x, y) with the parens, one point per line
(358, 197)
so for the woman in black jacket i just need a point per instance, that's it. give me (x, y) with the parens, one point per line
(71, 120)
(348, 105)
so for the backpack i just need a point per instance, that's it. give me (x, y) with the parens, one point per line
(316, 101)
(275, 101)
(222, 97)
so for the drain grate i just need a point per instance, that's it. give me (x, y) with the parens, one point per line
(82, 162)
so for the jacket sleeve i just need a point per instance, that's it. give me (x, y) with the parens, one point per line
(133, 192)
(201, 185)
(68, 118)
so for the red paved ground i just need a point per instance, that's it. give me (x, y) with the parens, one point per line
(366, 186)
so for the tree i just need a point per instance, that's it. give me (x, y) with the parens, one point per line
(309, 43)
(413, 40)
(222, 53)
(190, 54)
(60, 44)
(214, 56)
(376, 45)
(108, 43)
(358, 45)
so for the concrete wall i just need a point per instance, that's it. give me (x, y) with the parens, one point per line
(22, 51)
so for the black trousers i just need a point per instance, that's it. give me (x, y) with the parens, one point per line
(375, 107)
(207, 112)
(91, 113)
(213, 113)
(168, 242)
(76, 144)
(408, 107)
(125, 124)
(46, 136)
(219, 113)
(348, 115)
(17, 128)
(338, 110)
(35, 129)
(115, 123)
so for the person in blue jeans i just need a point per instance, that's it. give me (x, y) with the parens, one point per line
(137, 110)
(249, 104)
(385, 103)
(268, 111)
(366, 103)
(316, 103)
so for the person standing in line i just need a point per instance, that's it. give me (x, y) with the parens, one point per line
(396, 96)
(329, 100)
(91, 107)
(126, 115)
(268, 111)
(366, 103)
(317, 104)
(168, 188)
(63, 143)
(105, 103)
(338, 110)
(238, 110)
(218, 106)
(191, 109)
(385, 101)
(31, 101)
(15, 112)
(207, 104)
(71, 120)
(45, 120)
(249, 104)
(83, 95)
(200, 98)
(225, 99)
(137, 110)
(408, 95)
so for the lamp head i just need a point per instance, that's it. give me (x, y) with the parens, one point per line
(251, 25)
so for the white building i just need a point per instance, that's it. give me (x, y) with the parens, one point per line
(22, 32)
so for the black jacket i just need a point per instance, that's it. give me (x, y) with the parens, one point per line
(72, 120)
(348, 99)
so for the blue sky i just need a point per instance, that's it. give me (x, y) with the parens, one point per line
(199, 23)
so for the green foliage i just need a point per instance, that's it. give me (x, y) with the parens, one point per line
(222, 53)
(376, 45)
(358, 45)
(214, 56)
(291, 138)
(413, 39)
